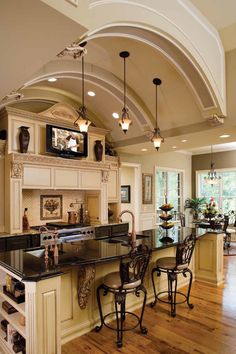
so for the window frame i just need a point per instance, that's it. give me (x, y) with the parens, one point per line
(218, 170)
(182, 189)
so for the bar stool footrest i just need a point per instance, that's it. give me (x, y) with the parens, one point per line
(119, 312)
(169, 301)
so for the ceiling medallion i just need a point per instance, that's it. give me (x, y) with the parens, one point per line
(125, 121)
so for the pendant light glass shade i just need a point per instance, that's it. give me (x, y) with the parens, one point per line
(82, 121)
(212, 177)
(157, 139)
(124, 121)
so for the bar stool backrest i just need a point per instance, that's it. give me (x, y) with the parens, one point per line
(133, 269)
(182, 219)
(184, 252)
(226, 223)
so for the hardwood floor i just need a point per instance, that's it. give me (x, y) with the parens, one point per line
(209, 328)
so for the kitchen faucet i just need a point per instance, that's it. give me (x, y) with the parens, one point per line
(133, 232)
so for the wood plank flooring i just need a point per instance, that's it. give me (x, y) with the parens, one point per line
(209, 328)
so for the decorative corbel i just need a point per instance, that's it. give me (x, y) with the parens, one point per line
(16, 170)
(86, 276)
(105, 176)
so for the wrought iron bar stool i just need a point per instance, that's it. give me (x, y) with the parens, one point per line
(129, 280)
(173, 266)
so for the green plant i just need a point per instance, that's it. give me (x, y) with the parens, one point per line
(195, 204)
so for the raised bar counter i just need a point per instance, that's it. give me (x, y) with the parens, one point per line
(32, 265)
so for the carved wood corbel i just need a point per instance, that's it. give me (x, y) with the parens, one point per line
(105, 176)
(86, 276)
(16, 170)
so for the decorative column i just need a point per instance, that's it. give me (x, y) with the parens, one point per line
(13, 195)
(2, 185)
(104, 197)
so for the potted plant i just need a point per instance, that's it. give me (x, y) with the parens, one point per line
(195, 204)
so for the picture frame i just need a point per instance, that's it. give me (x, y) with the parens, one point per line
(147, 188)
(125, 194)
(50, 207)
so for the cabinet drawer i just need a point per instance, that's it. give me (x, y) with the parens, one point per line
(2, 244)
(103, 231)
(35, 240)
(119, 229)
(17, 243)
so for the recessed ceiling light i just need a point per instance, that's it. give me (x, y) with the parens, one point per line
(144, 149)
(174, 147)
(91, 93)
(52, 79)
(115, 115)
(225, 136)
(183, 141)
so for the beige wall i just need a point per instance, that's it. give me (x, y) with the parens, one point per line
(173, 160)
(223, 159)
(128, 178)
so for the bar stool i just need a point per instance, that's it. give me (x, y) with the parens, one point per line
(128, 280)
(173, 266)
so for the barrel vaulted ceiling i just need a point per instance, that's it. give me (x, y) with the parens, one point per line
(188, 96)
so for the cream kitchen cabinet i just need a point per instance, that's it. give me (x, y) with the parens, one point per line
(90, 179)
(37, 177)
(113, 186)
(66, 178)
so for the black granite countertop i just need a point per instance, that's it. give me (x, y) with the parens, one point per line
(29, 264)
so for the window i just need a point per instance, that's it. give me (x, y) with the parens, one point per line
(224, 193)
(169, 186)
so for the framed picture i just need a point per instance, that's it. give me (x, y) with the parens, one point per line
(50, 207)
(125, 194)
(147, 188)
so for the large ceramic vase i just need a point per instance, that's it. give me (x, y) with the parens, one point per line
(24, 138)
(98, 150)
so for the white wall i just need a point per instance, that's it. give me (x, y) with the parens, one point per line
(128, 178)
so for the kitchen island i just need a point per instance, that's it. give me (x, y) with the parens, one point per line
(60, 302)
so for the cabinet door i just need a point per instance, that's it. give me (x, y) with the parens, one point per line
(35, 240)
(2, 244)
(17, 243)
(90, 179)
(113, 187)
(36, 177)
(93, 208)
(65, 178)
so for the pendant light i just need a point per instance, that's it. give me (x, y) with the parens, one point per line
(157, 138)
(212, 177)
(124, 121)
(82, 121)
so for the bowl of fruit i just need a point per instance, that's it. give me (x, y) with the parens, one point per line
(167, 225)
(166, 207)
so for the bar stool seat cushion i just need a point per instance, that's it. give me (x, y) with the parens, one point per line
(169, 263)
(113, 281)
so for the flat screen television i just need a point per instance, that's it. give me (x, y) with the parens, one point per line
(66, 142)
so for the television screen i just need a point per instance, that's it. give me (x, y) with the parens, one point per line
(66, 142)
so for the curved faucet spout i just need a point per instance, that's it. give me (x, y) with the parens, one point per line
(133, 232)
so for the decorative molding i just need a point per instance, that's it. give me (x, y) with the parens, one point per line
(47, 116)
(74, 49)
(215, 120)
(2, 148)
(58, 161)
(86, 275)
(16, 170)
(105, 176)
(74, 2)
